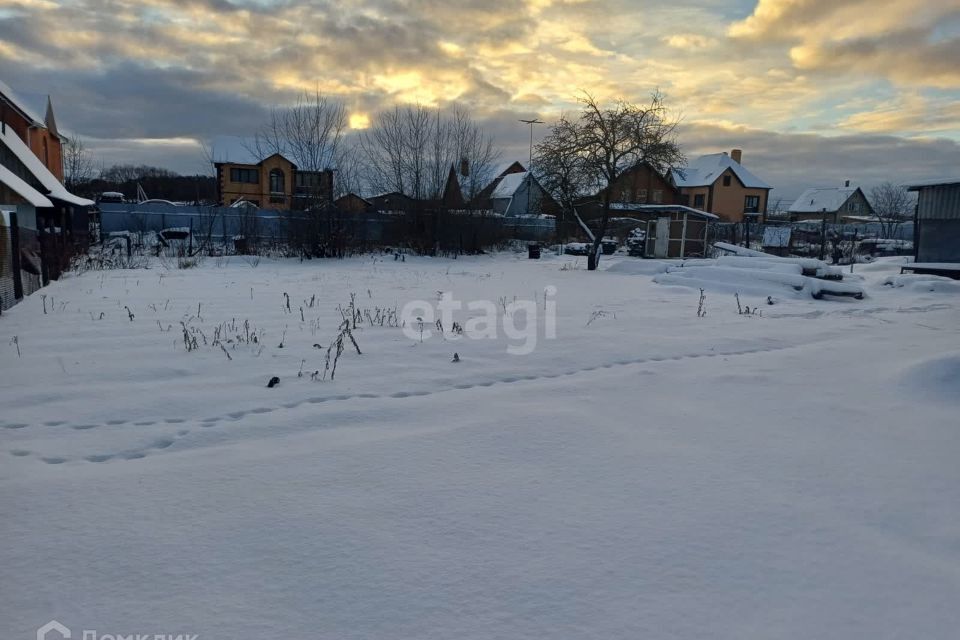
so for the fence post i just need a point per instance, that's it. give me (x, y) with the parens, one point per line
(823, 235)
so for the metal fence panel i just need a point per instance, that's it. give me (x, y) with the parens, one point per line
(7, 275)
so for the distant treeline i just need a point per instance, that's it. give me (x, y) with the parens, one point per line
(157, 183)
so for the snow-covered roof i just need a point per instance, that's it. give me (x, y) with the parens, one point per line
(509, 184)
(55, 188)
(705, 170)
(816, 200)
(947, 182)
(21, 188)
(19, 104)
(633, 206)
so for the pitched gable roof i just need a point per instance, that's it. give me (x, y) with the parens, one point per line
(705, 170)
(49, 120)
(828, 199)
(19, 105)
(482, 199)
(24, 190)
(509, 184)
(54, 187)
(452, 194)
(278, 155)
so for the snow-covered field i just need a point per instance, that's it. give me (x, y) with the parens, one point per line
(646, 474)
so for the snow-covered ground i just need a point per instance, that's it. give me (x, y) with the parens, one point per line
(647, 474)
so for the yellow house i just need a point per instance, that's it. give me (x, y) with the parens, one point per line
(273, 183)
(718, 183)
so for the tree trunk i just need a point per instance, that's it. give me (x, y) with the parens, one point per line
(593, 260)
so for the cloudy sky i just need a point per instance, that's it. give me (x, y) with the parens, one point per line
(814, 91)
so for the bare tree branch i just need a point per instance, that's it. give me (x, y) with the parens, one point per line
(594, 150)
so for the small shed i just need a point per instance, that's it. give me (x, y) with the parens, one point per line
(937, 234)
(672, 230)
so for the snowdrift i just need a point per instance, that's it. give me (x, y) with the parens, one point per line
(759, 281)
(758, 273)
(923, 283)
(938, 378)
(638, 267)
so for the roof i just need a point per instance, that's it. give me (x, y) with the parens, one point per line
(50, 120)
(21, 188)
(509, 184)
(54, 187)
(19, 104)
(482, 199)
(916, 186)
(633, 206)
(221, 163)
(352, 195)
(705, 170)
(816, 200)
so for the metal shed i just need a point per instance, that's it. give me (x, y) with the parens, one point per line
(937, 237)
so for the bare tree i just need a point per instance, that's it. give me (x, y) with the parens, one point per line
(470, 145)
(310, 133)
(560, 169)
(78, 165)
(410, 150)
(892, 205)
(384, 147)
(604, 142)
(350, 170)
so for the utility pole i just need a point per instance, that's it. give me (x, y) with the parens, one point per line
(530, 161)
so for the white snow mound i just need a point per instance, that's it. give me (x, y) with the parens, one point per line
(923, 283)
(937, 378)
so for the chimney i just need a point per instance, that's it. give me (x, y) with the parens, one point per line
(464, 167)
(847, 183)
(736, 154)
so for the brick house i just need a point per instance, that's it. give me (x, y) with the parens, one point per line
(39, 134)
(718, 183)
(273, 183)
(640, 185)
(44, 224)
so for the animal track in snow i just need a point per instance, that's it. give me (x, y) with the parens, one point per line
(164, 443)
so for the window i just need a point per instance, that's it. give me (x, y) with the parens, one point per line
(698, 201)
(657, 196)
(308, 179)
(276, 181)
(249, 176)
(751, 204)
(726, 180)
(854, 206)
(642, 196)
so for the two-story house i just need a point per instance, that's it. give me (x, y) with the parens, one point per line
(273, 183)
(46, 222)
(718, 183)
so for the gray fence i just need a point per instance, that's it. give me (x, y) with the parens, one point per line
(815, 238)
(329, 230)
(220, 224)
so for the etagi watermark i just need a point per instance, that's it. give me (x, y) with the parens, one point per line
(518, 319)
(54, 630)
